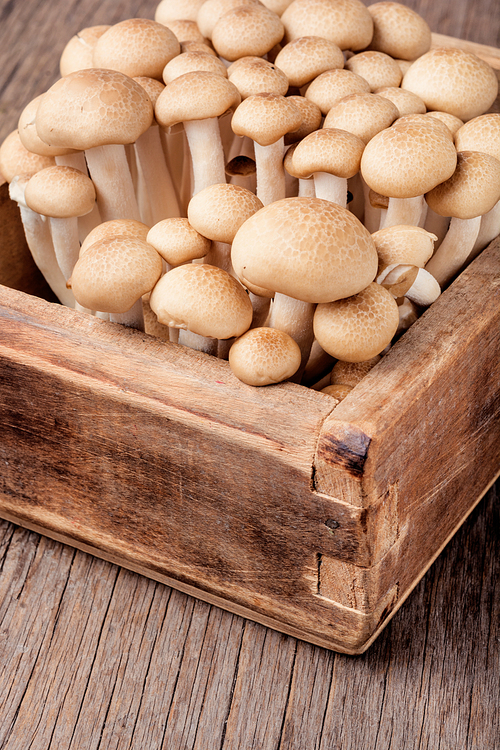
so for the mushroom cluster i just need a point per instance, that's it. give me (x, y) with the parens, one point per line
(285, 184)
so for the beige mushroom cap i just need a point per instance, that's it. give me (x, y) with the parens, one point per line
(77, 54)
(115, 228)
(311, 119)
(196, 96)
(114, 273)
(212, 10)
(332, 86)
(359, 327)
(171, 10)
(365, 115)
(253, 75)
(263, 356)
(15, 158)
(375, 67)
(336, 152)
(454, 81)
(177, 241)
(452, 123)
(265, 118)
(306, 57)
(186, 31)
(407, 102)
(352, 373)
(472, 190)
(151, 86)
(93, 108)
(203, 299)
(404, 244)
(249, 30)
(307, 248)
(136, 47)
(28, 132)
(60, 192)
(407, 161)
(399, 31)
(347, 23)
(218, 211)
(188, 62)
(480, 134)
(338, 391)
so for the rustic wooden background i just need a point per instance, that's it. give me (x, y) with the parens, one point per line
(93, 656)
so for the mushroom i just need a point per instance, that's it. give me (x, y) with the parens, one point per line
(406, 102)
(263, 356)
(15, 159)
(253, 75)
(77, 54)
(247, 30)
(305, 58)
(399, 31)
(177, 241)
(375, 67)
(352, 373)
(171, 10)
(333, 85)
(211, 10)
(115, 228)
(347, 23)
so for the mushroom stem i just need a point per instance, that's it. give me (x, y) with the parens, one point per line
(207, 154)
(489, 229)
(403, 211)
(75, 160)
(294, 317)
(197, 342)
(454, 250)
(307, 189)
(436, 224)
(271, 184)
(133, 318)
(261, 306)
(66, 243)
(331, 188)
(425, 289)
(110, 173)
(160, 191)
(219, 255)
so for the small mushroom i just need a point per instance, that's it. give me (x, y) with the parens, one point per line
(263, 356)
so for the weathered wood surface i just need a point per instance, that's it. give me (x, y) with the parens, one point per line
(97, 657)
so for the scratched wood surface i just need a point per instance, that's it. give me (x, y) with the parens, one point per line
(93, 656)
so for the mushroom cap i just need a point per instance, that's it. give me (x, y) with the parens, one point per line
(171, 10)
(188, 62)
(177, 241)
(407, 161)
(365, 115)
(307, 248)
(253, 75)
(351, 373)
(212, 10)
(359, 327)
(404, 244)
(114, 273)
(93, 107)
(248, 30)
(265, 118)
(347, 23)
(480, 134)
(452, 123)
(195, 96)
(407, 102)
(425, 122)
(399, 31)
(454, 81)
(338, 391)
(311, 119)
(136, 47)
(472, 190)
(151, 86)
(263, 356)
(77, 54)
(375, 67)
(203, 299)
(15, 158)
(332, 86)
(115, 228)
(336, 152)
(186, 31)
(218, 211)
(306, 57)
(60, 192)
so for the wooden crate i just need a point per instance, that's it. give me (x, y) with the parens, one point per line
(313, 520)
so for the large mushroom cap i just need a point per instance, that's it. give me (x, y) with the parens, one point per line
(480, 134)
(330, 87)
(472, 190)
(60, 192)
(93, 108)
(306, 248)
(77, 54)
(336, 152)
(218, 211)
(347, 23)
(365, 115)
(195, 96)
(249, 30)
(115, 228)
(307, 57)
(399, 31)
(254, 75)
(265, 118)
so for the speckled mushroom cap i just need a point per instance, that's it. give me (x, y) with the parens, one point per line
(203, 299)
(254, 75)
(307, 248)
(407, 102)
(265, 118)
(16, 159)
(192, 46)
(188, 62)
(347, 23)
(93, 108)
(311, 119)
(28, 132)
(212, 10)
(306, 57)
(435, 124)
(407, 161)
(404, 244)
(196, 96)
(186, 31)
(359, 327)
(249, 30)
(277, 6)
(480, 134)
(263, 356)
(452, 123)
(332, 86)
(218, 211)
(352, 373)
(77, 54)
(114, 273)
(454, 81)
(336, 152)
(375, 67)
(399, 31)
(60, 192)
(171, 10)
(472, 190)
(115, 228)
(151, 86)
(365, 115)
(177, 241)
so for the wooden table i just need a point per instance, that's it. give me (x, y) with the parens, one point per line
(93, 656)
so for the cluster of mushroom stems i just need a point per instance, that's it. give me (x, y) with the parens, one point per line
(285, 184)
